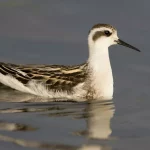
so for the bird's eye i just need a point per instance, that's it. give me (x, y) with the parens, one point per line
(107, 33)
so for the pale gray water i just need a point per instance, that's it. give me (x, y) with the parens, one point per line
(55, 32)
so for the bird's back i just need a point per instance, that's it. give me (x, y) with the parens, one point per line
(53, 77)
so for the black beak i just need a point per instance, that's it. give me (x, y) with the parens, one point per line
(120, 42)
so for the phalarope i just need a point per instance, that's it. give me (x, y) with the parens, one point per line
(91, 80)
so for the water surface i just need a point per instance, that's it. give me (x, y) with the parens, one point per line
(55, 32)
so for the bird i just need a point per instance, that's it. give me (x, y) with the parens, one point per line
(90, 80)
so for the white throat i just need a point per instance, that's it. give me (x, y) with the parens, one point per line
(100, 70)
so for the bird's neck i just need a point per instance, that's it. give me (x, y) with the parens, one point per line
(100, 72)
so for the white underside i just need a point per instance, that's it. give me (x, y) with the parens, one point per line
(40, 90)
(100, 71)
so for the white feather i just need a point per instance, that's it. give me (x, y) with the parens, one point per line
(40, 89)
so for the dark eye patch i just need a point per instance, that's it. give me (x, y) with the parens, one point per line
(98, 34)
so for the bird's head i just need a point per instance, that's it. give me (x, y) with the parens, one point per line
(104, 35)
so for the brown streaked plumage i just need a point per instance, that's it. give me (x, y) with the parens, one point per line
(103, 25)
(54, 77)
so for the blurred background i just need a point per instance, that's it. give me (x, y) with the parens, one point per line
(55, 32)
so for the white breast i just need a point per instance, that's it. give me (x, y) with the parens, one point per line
(100, 72)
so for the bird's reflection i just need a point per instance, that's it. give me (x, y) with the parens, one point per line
(99, 124)
(97, 114)
(99, 120)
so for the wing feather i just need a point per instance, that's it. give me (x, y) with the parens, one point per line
(55, 77)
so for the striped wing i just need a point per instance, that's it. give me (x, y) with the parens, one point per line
(55, 77)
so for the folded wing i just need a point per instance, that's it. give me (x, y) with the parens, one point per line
(54, 77)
